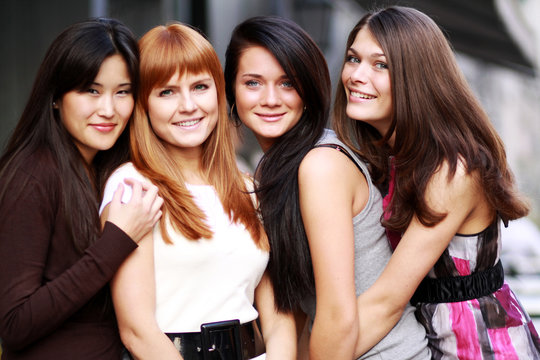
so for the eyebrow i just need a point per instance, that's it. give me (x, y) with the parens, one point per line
(259, 76)
(119, 85)
(204, 79)
(373, 55)
(174, 86)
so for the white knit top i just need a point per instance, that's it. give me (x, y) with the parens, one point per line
(205, 280)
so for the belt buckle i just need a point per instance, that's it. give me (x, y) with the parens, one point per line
(221, 340)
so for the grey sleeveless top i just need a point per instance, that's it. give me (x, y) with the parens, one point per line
(407, 340)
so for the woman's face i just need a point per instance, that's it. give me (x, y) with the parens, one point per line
(184, 111)
(266, 101)
(95, 117)
(366, 80)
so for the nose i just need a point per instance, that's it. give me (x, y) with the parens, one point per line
(186, 103)
(271, 96)
(106, 106)
(359, 74)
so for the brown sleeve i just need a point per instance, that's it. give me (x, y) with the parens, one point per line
(31, 308)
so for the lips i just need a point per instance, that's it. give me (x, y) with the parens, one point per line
(104, 127)
(271, 117)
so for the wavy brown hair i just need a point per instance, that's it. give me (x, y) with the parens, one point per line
(436, 119)
(166, 50)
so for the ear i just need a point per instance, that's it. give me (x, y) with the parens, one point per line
(54, 105)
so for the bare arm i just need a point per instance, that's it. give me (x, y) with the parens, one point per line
(133, 286)
(329, 183)
(381, 306)
(133, 292)
(278, 329)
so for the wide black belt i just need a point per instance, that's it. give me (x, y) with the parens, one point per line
(223, 340)
(460, 288)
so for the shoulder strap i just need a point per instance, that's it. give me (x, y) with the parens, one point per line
(344, 151)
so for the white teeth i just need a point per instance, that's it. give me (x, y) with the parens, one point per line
(361, 96)
(187, 123)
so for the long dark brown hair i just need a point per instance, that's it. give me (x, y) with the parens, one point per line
(436, 118)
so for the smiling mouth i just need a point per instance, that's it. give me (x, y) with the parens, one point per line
(187, 123)
(271, 117)
(362, 95)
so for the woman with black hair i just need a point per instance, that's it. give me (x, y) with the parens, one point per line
(56, 259)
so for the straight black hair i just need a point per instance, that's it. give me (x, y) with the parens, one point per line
(290, 265)
(72, 62)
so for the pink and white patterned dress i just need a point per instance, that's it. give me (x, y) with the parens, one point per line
(492, 326)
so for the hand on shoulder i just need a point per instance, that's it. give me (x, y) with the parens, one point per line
(138, 216)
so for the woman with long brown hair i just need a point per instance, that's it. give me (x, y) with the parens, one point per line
(405, 107)
(189, 290)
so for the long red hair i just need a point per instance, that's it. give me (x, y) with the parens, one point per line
(166, 50)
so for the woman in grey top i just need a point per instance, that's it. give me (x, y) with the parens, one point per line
(321, 213)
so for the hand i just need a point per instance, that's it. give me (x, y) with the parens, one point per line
(138, 216)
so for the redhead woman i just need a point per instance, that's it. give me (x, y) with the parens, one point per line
(196, 287)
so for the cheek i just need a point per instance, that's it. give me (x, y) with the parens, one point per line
(294, 102)
(71, 114)
(160, 111)
(244, 101)
(345, 74)
(211, 102)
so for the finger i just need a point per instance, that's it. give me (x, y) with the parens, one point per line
(136, 187)
(151, 191)
(146, 186)
(158, 216)
(156, 205)
(117, 196)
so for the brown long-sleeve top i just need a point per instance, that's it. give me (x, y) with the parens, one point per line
(54, 302)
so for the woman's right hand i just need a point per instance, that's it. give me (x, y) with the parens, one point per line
(139, 215)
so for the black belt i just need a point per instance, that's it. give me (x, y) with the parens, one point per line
(460, 288)
(222, 340)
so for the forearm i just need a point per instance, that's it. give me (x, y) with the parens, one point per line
(333, 337)
(31, 309)
(278, 328)
(148, 344)
(280, 345)
(376, 319)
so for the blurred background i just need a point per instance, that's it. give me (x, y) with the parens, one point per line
(497, 43)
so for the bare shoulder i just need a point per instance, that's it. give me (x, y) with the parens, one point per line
(445, 189)
(324, 162)
(330, 174)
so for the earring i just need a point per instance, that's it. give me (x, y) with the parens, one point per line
(234, 118)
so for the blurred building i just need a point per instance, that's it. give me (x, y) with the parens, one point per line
(497, 42)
